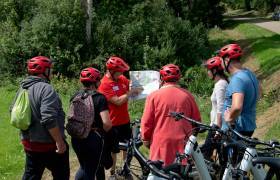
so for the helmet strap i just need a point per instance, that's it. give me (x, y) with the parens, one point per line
(226, 66)
(47, 76)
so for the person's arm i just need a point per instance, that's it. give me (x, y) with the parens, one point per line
(107, 124)
(147, 122)
(124, 98)
(236, 108)
(50, 104)
(220, 96)
(60, 144)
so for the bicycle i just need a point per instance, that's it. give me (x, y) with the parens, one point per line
(230, 172)
(171, 172)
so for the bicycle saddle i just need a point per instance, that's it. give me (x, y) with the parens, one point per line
(272, 162)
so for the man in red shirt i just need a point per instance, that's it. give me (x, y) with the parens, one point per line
(115, 86)
(160, 132)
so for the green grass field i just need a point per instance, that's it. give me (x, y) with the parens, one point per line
(11, 152)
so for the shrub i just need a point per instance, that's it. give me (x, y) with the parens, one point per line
(197, 81)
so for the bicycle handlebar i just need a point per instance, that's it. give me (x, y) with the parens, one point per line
(178, 116)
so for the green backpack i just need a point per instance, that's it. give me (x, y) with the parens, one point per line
(21, 111)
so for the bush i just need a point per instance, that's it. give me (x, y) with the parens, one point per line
(197, 81)
(147, 34)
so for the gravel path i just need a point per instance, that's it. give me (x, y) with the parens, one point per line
(273, 26)
(270, 25)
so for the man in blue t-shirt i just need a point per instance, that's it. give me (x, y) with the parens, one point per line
(241, 94)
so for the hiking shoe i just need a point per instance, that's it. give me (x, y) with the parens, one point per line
(112, 177)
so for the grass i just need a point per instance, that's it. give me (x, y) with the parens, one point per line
(12, 156)
(11, 151)
(274, 132)
(265, 46)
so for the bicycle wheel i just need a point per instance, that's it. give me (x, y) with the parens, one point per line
(134, 165)
(272, 174)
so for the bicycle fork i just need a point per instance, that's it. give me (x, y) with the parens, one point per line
(192, 149)
(246, 164)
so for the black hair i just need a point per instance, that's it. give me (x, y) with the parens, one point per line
(89, 84)
(222, 74)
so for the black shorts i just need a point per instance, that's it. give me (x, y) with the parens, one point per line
(122, 133)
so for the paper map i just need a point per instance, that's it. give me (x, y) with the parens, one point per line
(148, 80)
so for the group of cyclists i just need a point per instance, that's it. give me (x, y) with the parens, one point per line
(233, 102)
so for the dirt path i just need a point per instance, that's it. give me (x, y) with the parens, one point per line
(266, 120)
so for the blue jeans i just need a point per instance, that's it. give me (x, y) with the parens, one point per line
(36, 162)
(88, 151)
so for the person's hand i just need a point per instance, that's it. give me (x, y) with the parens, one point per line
(217, 136)
(146, 143)
(227, 117)
(135, 91)
(61, 147)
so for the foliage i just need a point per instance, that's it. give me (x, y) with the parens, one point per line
(208, 12)
(264, 6)
(265, 47)
(197, 81)
(147, 34)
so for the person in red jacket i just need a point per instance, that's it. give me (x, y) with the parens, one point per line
(160, 132)
(115, 86)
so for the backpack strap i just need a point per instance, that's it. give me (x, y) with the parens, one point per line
(85, 93)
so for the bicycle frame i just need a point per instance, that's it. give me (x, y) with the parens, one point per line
(246, 166)
(192, 149)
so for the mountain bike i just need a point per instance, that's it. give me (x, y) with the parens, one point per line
(241, 170)
(140, 167)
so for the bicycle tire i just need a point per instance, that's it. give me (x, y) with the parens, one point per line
(135, 167)
(272, 174)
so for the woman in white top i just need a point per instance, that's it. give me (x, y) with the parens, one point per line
(216, 73)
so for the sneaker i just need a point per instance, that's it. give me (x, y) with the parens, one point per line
(112, 177)
(128, 176)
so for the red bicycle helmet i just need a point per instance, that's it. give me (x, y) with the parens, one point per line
(116, 64)
(170, 72)
(232, 51)
(38, 65)
(90, 75)
(214, 62)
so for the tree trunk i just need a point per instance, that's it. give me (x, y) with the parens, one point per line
(247, 5)
(87, 7)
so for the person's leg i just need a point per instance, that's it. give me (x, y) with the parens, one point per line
(78, 147)
(115, 148)
(34, 166)
(94, 151)
(100, 174)
(89, 152)
(124, 136)
(238, 154)
(58, 164)
(207, 147)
